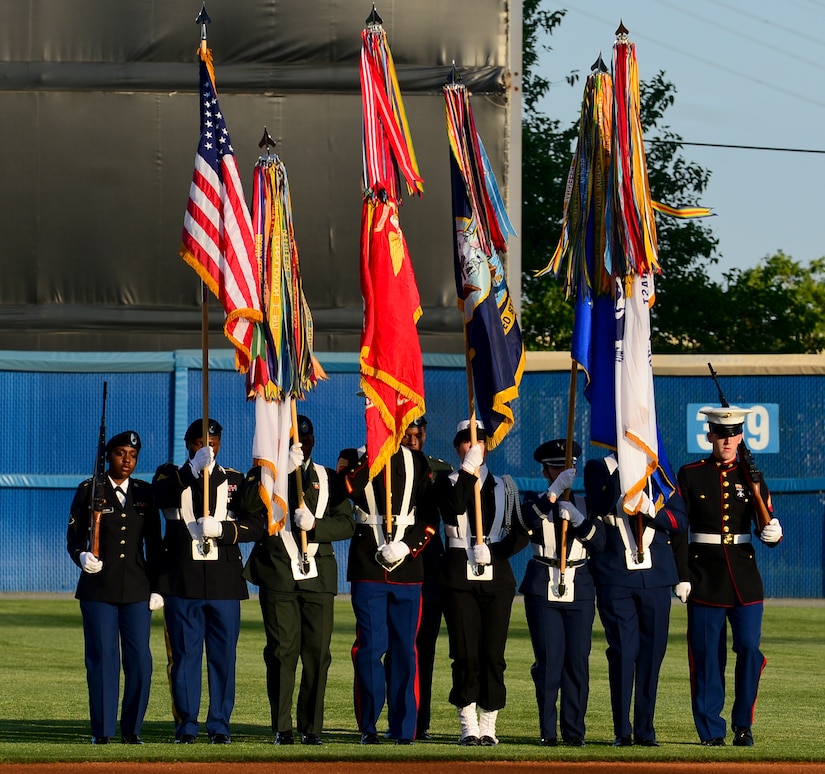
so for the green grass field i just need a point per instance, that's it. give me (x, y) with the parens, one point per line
(44, 710)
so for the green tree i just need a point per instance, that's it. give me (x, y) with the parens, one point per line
(776, 306)
(546, 319)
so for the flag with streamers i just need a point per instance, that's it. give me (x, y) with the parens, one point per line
(283, 367)
(607, 257)
(493, 337)
(217, 231)
(392, 372)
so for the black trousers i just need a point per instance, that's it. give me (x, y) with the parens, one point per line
(477, 623)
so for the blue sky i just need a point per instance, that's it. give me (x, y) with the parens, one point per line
(746, 72)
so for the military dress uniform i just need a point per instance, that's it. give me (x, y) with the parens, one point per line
(202, 583)
(297, 606)
(718, 560)
(387, 603)
(560, 621)
(477, 606)
(634, 604)
(114, 602)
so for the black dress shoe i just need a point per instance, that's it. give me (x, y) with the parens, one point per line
(314, 739)
(131, 739)
(284, 737)
(717, 741)
(404, 741)
(468, 741)
(423, 736)
(549, 742)
(487, 741)
(647, 742)
(623, 741)
(742, 736)
(185, 739)
(100, 740)
(370, 738)
(574, 741)
(220, 739)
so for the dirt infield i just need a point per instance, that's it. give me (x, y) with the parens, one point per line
(414, 767)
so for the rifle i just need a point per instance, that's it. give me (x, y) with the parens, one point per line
(96, 498)
(752, 475)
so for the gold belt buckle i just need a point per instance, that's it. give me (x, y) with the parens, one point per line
(727, 539)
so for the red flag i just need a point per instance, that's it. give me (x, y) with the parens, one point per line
(392, 374)
(218, 241)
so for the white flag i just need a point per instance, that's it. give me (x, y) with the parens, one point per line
(270, 450)
(637, 447)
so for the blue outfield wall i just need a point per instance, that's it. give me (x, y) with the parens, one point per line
(51, 415)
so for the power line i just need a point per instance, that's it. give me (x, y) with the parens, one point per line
(735, 147)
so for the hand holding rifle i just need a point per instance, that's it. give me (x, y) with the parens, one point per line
(97, 499)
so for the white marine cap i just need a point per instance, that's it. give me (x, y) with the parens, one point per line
(726, 420)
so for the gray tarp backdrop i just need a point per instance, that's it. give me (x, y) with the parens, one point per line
(100, 125)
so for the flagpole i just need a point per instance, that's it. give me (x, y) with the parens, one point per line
(299, 490)
(473, 441)
(568, 463)
(203, 19)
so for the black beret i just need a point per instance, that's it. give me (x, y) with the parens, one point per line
(126, 438)
(195, 430)
(304, 425)
(554, 452)
(419, 422)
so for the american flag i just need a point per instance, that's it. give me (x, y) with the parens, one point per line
(218, 241)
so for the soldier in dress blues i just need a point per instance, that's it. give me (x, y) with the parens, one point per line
(386, 572)
(720, 580)
(202, 580)
(117, 590)
(633, 597)
(560, 616)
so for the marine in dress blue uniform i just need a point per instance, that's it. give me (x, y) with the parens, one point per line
(478, 585)
(633, 604)
(560, 619)
(386, 594)
(296, 601)
(718, 562)
(202, 581)
(115, 589)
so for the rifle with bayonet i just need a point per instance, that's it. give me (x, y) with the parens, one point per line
(752, 474)
(97, 499)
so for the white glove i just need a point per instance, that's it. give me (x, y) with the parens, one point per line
(563, 481)
(203, 458)
(296, 458)
(90, 563)
(682, 590)
(210, 526)
(571, 513)
(155, 601)
(645, 504)
(771, 532)
(474, 458)
(481, 554)
(304, 519)
(394, 552)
